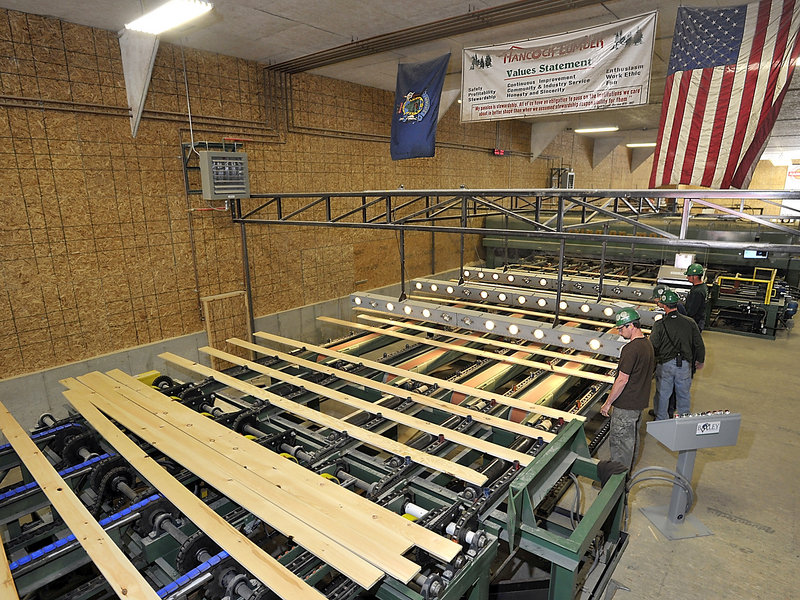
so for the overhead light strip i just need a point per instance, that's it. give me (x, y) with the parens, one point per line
(564, 336)
(587, 286)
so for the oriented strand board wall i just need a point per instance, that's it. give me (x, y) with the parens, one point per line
(227, 316)
(100, 247)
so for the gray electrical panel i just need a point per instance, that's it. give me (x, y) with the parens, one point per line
(224, 175)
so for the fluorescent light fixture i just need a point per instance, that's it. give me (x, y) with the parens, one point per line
(641, 145)
(170, 15)
(598, 129)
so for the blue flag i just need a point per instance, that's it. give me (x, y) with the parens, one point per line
(416, 108)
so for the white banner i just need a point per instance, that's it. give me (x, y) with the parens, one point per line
(601, 67)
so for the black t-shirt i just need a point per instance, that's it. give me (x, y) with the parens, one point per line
(637, 359)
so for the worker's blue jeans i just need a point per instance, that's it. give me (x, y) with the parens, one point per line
(669, 376)
(623, 437)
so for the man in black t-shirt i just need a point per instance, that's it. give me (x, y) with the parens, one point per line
(696, 300)
(630, 393)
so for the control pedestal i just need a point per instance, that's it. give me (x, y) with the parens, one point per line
(686, 435)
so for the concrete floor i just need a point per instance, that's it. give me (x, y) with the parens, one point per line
(747, 494)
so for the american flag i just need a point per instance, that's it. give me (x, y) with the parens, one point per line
(729, 70)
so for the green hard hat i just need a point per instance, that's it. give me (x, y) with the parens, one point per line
(626, 315)
(695, 269)
(669, 298)
(658, 290)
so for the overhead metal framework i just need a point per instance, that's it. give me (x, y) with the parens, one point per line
(547, 213)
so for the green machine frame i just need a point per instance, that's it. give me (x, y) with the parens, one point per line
(563, 548)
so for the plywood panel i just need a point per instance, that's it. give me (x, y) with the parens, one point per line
(227, 315)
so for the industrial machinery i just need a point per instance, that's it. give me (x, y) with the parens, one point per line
(759, 305)
(421, 456)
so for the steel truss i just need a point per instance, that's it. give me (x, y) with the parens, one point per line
(545, 212)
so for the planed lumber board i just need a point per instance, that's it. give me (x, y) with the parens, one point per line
(8, 590)
(373, 439)
(430, 380)
(392, 390)
(241, 486)
(304, 485)
(475, 351)
(284, 472)
(532, 348)
(124, 579)
(457, 437)
(269, 571)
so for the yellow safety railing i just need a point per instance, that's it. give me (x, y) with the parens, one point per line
(770, 281)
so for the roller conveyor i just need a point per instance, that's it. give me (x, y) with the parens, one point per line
(437, 437)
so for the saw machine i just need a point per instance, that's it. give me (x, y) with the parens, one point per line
(418, 457)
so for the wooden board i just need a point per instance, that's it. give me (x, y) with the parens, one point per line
(8, 590)
(269, 571)
(124, 579)
(241, 486)
(524, 347)
(450, 435)
(443, 383)
(373, 439)
(474, 351)
(386, 388)
(290, 475)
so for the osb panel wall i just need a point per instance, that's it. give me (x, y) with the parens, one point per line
(227, 316)
(100, 247)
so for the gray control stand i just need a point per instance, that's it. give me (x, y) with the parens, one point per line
(686, 435)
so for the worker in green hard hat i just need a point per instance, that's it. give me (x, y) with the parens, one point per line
(679, 350)
(660, 289)
(696, 300)
(630, 392)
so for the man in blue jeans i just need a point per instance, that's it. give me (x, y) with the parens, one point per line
(630, 392)
(679, 352)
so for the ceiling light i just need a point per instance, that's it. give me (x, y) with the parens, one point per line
(357, 300)
(407, 309)
(484, 294)
(641, 145)
(522, 299)
(597, 129)
(489, 325)
(541, 302)
(418, 285)
(170, 15)
(562, 305)
(502, 297)
(495, 276)
(543, 281)
(510, 278)
(449, 289)
(585, 308)
(389, 306)
(434, 287)
(426, 313)
(480, 274)
(466, 273)
(565, 339)
(594, 344)
(608, 311)
(538, 334)
(513, 329)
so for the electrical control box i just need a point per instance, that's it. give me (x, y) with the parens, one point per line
(224, 175)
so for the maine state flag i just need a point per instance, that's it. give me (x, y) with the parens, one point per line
(416, 108)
